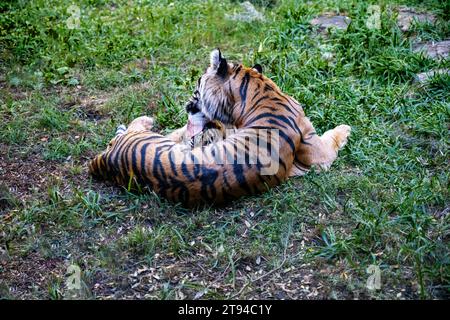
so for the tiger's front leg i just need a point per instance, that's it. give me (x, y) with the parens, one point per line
(178, 135)
(319, 151)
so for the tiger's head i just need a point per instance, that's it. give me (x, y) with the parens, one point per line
(221, 92)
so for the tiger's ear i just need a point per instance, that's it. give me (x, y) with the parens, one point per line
(258, 68)
(219, 63)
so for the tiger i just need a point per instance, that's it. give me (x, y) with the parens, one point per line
(274, 140)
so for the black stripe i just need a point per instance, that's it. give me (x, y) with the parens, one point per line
(275, 122)
(285, 106)
(123, 168)
(172, 163)
(254, 96)
(113, 157)
(271, 116)
(123, 149)
(125, 164)
(238, 171)
(207, 178)
(267, 87)
(183, 194)
(282, 134)
(186, 173)
(237, 71)
(243, 92)
(300, 132)
(159, 172)
(288, 140)
(255, 106)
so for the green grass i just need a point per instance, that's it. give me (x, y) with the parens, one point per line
(63, 92)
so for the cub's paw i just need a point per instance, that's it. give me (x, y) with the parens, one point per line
(143, 123)
(341, 134)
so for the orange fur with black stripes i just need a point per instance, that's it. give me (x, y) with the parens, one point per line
(263, 115)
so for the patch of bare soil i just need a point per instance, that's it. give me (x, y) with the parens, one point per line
(89, 107)
(192, 277)
(94, 106)
(25, 177)
(26, 274)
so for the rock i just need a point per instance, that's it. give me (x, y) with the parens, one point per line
(327, 21)
(434, 50)
(250, 13)
(424, 77)
(407, 15)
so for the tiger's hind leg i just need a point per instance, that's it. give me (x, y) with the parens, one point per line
(143, 123)
(334, 139)
(318, 151)
(139, 124)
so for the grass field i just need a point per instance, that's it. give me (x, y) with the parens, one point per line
(63, 91)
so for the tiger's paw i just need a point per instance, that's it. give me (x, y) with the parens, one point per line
(143, 123)
(341, 134)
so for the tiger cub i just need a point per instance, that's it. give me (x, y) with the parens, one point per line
(274, 141)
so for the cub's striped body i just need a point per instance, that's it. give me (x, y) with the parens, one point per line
(237, 96)
(178, 173)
